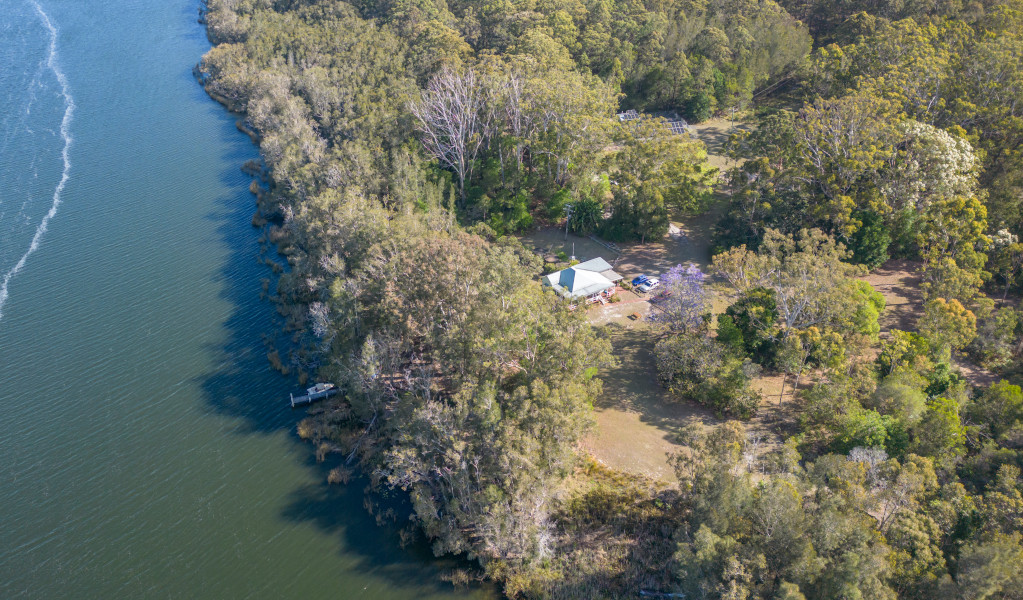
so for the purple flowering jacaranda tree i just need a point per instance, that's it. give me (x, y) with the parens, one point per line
(685, 299)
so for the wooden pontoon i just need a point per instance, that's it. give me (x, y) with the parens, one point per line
(317, 392)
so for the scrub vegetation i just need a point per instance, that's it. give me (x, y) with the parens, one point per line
(403, 141)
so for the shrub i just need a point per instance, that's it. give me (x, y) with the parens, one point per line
(943, 381)
(729, 334)
(512, 214)
(555, 207)
(870, 429)
(999, 408)
(587, 215)
(900, 396)
(903, 350)
(870, 243)
(751, 322)
(940, 433)
(697, 367)
(995, 343)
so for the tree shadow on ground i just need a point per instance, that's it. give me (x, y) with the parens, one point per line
(777, 416)
(632, 385)
(899, 282)
(637, 420)
(714, 138)
(688, 241)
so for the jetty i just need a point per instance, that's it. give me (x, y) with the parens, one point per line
(317, 392)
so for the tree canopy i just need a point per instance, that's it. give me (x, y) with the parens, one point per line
(403, 141)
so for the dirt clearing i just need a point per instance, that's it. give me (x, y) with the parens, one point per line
(899, 282)
(636, 419)
(715, 133)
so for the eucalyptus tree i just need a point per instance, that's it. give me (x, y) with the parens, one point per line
(453, 120)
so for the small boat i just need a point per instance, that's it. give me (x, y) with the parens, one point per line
(317, 392)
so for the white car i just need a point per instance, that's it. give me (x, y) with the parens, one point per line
(650, 284)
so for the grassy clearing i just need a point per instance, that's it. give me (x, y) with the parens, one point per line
(714, 133)
(636, 419)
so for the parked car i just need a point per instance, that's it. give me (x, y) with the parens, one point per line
(659, 296)
(649, 284)
(640, 280)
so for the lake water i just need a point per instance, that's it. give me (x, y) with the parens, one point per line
(146, 450)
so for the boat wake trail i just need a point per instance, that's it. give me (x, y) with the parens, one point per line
(65, 126)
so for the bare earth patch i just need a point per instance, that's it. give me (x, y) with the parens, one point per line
(686, 242)
(636, 419)
(899, 283)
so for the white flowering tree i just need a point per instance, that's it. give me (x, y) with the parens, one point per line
(932, 165)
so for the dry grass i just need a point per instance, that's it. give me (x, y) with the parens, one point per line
(899, 283)
(714, 133)
(619, 544)
(613, 539)
(636, 419)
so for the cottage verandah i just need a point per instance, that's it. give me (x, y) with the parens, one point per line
(592, 280)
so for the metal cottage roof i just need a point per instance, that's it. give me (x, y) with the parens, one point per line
(595, 264)
(573, 282)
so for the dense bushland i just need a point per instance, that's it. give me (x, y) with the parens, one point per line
(402, 141)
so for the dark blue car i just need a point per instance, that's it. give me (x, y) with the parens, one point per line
(640, 280)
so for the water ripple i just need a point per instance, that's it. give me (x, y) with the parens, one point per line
(65, 133)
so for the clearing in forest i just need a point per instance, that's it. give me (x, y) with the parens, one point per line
(899, 282)
(714, 133)
(637, 420)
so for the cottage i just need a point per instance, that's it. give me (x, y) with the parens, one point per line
(594, 279)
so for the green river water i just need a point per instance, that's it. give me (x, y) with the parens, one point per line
(146, 450)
